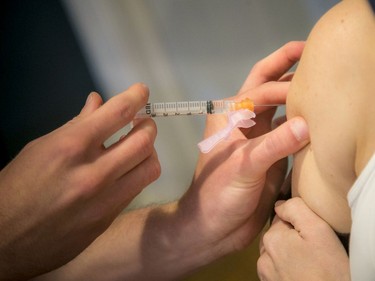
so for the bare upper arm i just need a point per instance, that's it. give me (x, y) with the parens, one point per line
(330, 86)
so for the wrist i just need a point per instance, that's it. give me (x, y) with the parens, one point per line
(181, 240)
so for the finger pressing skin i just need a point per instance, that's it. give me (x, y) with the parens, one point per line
(298, 214)
(279, 143)
(287, 77)
(273, 67)
(117, 112)
(130, 151)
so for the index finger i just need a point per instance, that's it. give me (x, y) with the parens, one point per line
(117, 112)
(274, 66)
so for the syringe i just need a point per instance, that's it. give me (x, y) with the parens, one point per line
(163, 109)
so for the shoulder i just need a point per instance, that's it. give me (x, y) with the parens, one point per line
(335, 80)
(331, 89)
(342, 44)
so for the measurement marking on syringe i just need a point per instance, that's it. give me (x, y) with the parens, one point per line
(196, 107)
(175, 108)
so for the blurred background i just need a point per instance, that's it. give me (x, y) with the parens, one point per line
(54, 53)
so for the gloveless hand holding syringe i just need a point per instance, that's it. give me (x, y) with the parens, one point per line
(240, 114)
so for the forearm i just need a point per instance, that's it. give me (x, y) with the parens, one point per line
(222, 211)
(153, 243)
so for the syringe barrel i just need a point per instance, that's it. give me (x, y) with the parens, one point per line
(192, 108)
(173, 109)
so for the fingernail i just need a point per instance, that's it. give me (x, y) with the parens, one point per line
(279, 202)
(300, 129)
(144, 86)
(89, 97)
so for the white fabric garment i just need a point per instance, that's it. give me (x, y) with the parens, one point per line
(361, 199)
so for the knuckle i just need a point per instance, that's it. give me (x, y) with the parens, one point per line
(70, 147)
(124, 112)
(258, 66)
(89, 184)
(86, 185)
(270, 241)
(145, 143)
(155, 170)
(278, 145)
(293, 205)
(267, 239)
(271, 147)
(241, 155)
(261, 266)
(151, 171)
(142, 90)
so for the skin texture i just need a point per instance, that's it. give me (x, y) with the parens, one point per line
(226, 206)
(333, 89)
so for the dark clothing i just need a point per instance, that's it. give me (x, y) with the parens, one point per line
(372, 3)
(44, 79)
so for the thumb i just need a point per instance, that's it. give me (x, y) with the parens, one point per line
(286, 139)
